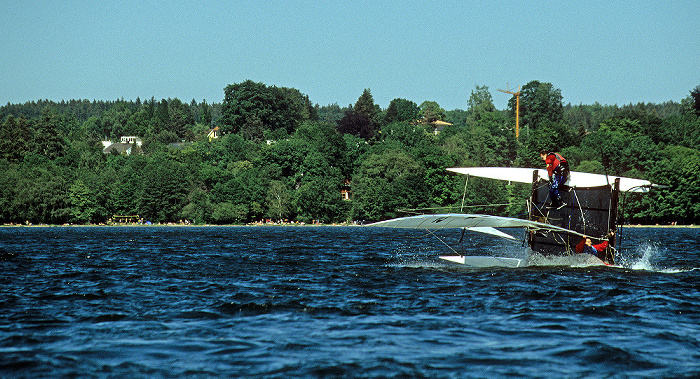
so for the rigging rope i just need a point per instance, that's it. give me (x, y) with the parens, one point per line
(443, 242)
(464, 193)
(418, 210)
(580, 208)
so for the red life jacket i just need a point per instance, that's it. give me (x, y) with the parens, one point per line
(556, 163)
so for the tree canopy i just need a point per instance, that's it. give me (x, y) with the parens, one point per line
(279, 157)
(258, 110)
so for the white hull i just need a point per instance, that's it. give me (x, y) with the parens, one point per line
(483, 261)
(575, 260)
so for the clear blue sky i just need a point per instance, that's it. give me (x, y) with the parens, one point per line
(611, 52)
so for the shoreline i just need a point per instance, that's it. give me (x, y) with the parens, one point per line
(691, 226)
(170, 225)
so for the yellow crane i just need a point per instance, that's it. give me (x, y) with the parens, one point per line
(517, 111)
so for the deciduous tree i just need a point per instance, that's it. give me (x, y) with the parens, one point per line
(385, 183)
(401, 110)
(83, 206)
(356, 124)
(431, 111)
(539, 102)
(480, 103)
(272, 107)
(278, 200)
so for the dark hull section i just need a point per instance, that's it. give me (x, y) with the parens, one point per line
(591, 211)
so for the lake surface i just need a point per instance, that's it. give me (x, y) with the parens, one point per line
(337, 302)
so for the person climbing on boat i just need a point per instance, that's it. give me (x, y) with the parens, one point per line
(558, 170)
(586, 246)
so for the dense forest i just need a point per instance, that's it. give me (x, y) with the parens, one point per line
(280, 157)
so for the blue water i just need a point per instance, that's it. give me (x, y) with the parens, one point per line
(337, 302)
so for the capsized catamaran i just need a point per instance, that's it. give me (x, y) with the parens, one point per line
(591, 212)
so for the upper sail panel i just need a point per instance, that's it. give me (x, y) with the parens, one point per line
(576, 179)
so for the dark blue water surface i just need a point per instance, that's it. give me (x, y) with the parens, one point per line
(337, 302)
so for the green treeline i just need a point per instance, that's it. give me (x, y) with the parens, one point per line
(280, 157)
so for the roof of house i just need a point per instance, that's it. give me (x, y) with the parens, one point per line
(121, 148)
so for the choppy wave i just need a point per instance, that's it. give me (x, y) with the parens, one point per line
(337, 302)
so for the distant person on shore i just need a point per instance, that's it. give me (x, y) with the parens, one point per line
(586, 246)
(558, 170)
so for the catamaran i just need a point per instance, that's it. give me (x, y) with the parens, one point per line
(591, 212)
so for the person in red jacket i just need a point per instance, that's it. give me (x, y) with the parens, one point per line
(587, 246)
(558, 170)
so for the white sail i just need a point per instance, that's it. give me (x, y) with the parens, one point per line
(576, 179)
